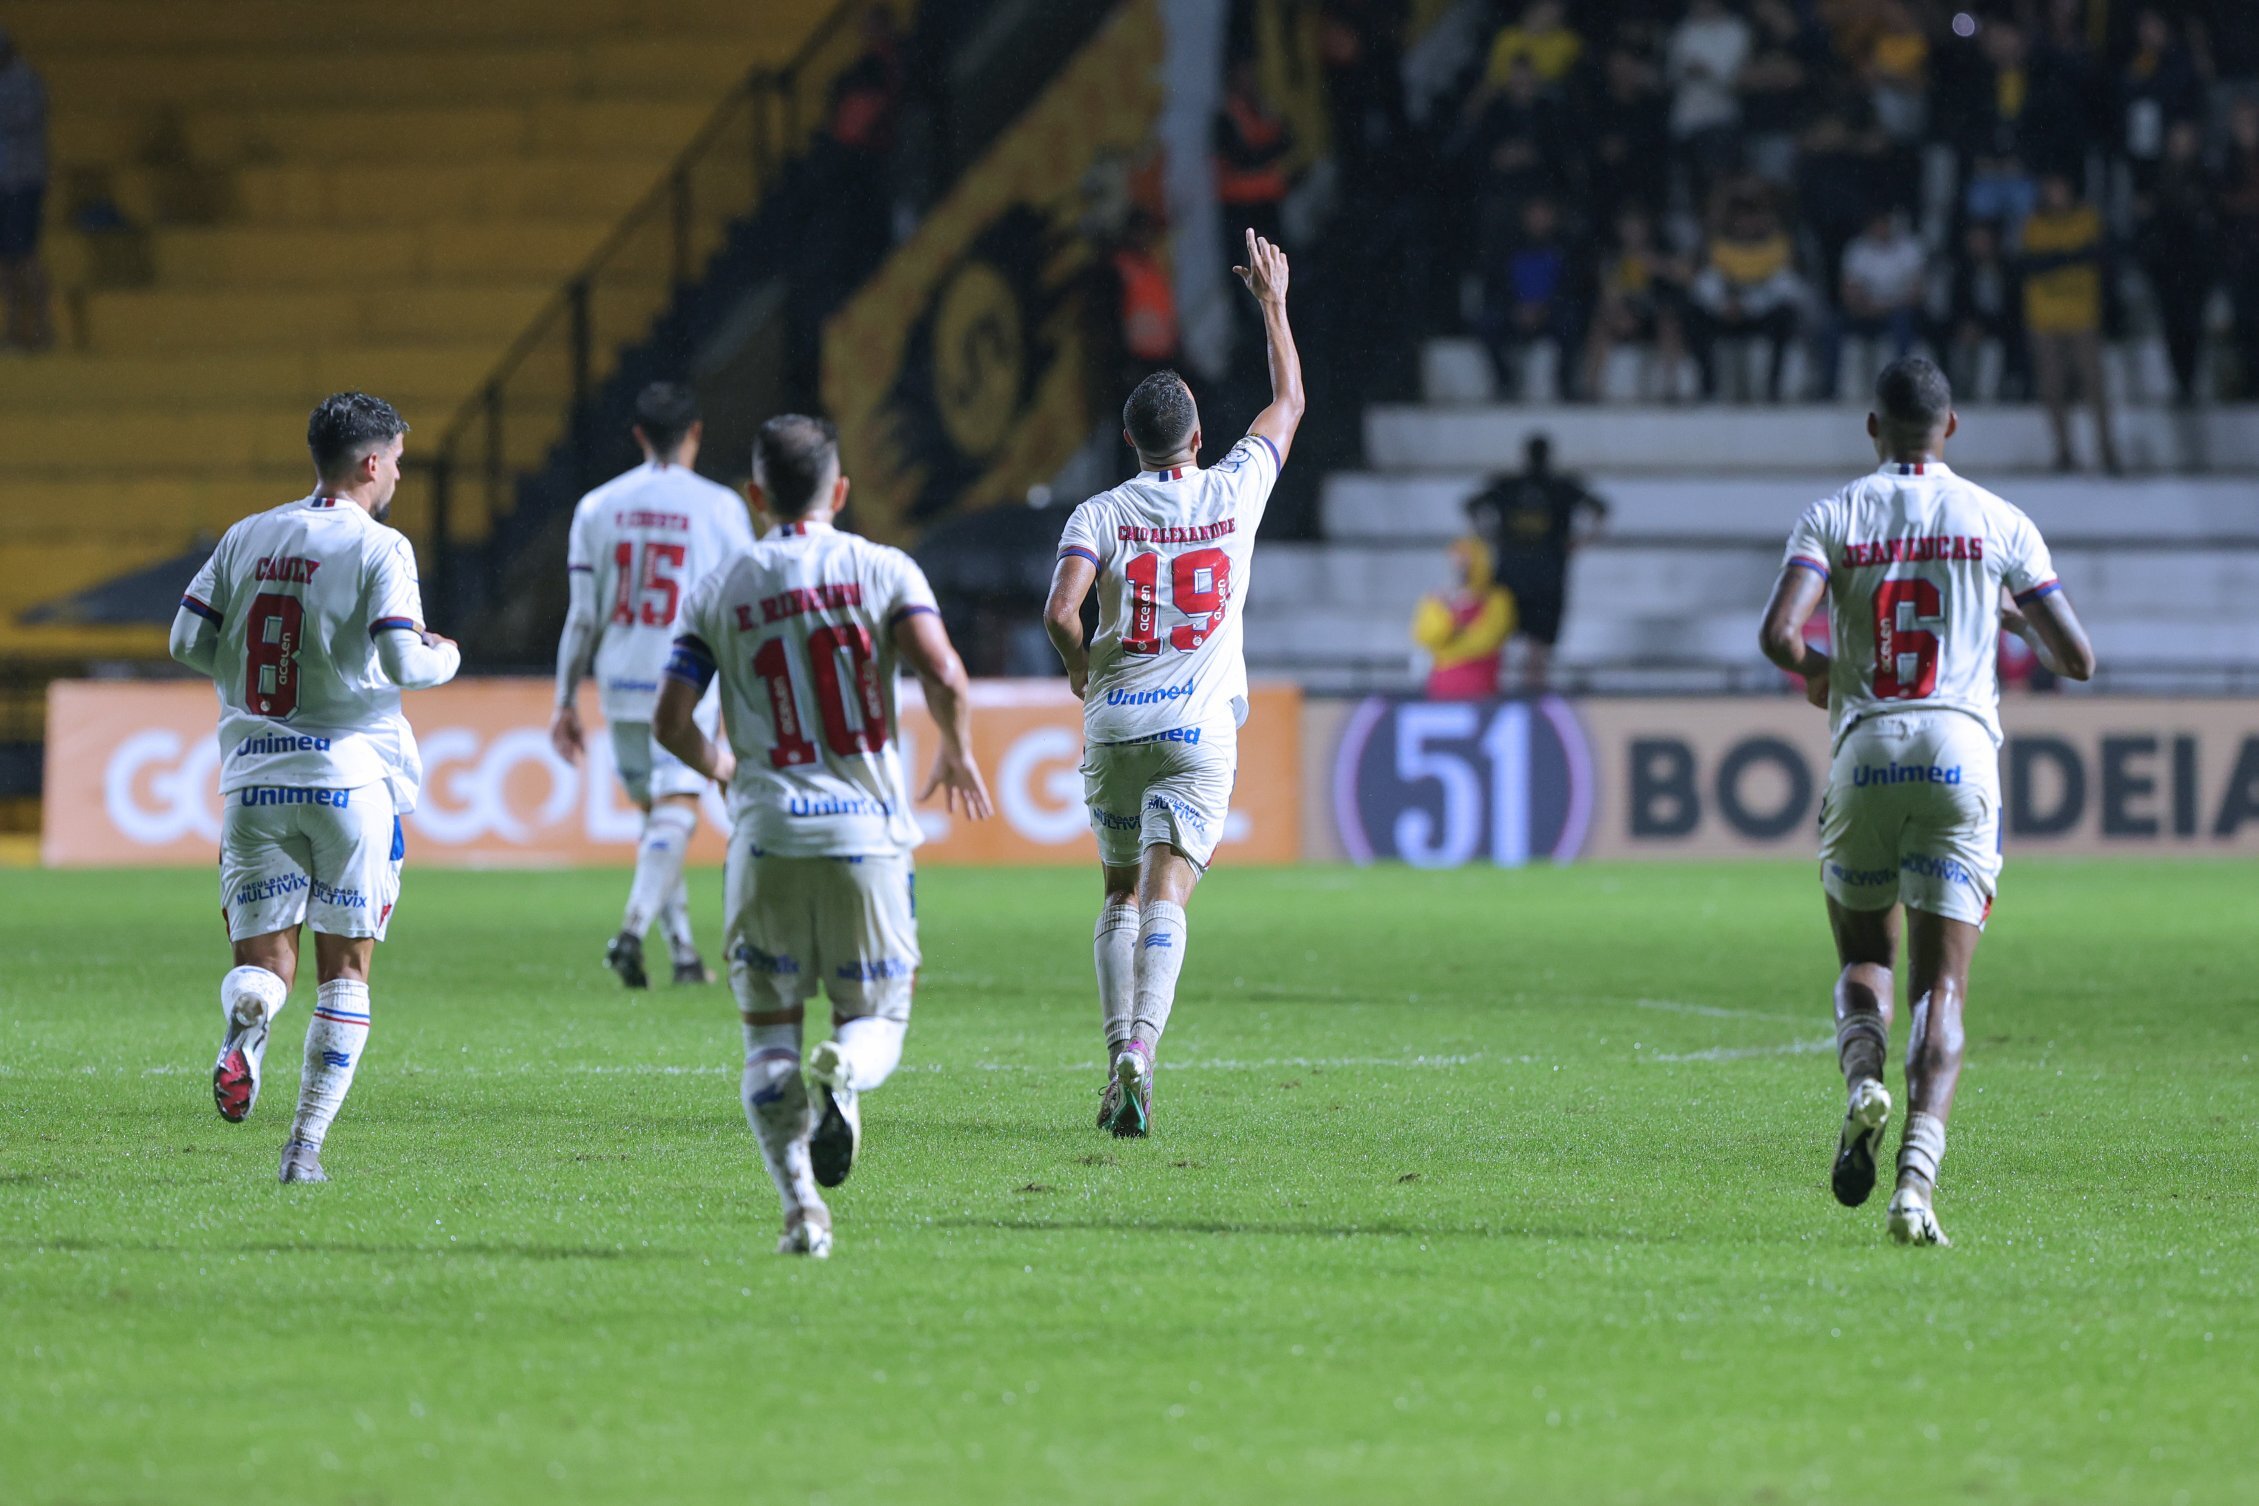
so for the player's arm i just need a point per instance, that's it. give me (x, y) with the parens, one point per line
(576, 651)
(1062, 616)
(2044, 620)
(415, 658)
(1265, 275)
(196, 625)
(924, 645)
(675, 721)
(1796, 595)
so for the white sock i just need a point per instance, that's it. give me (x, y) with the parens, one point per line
(250, 994)
(873, 1048)
(674, 919)
(776, 1106)
(334, 1038)
(1860, 1045)
(658, 865)
(1160, 957)
(1920, 1151)
(1115, 950)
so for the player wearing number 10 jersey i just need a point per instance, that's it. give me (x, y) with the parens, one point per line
(1913, 562)
(639, 543)
(1164, 682)
(309, 620)
(803, 631)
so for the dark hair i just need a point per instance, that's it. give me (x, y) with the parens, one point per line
(349, 425)
(1912, 396)
(664, 411)
(795, 458)
(1160, 415)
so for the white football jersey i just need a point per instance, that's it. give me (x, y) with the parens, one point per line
(1174, 551)
(648, 537)
(1914, 558)
(800, 629)
(299, 594)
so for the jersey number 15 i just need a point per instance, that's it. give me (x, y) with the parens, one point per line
(657, 593)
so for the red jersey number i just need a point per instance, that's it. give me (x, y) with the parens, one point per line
(655, 592)
(272, 634)
(840, 656)
(1907, 615)
(1199, 587)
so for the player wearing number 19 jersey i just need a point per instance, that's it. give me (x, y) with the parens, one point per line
(1164, 682)
(309, 620)
(639, 543)
(803, 632)
(1913, 562)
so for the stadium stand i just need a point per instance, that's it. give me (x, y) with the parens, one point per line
(257, 203)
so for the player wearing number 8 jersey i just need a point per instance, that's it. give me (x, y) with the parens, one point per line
(639, 543)
(803, 632)
(1164, 682)
(309, 620)
(1913, 562)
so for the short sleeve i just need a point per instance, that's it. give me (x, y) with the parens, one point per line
(908, 593)
(396, 597)
(692, 660)
(2026, 568)
(1085, 536)
(1808, 542)
(205, 595)
(1252, 468)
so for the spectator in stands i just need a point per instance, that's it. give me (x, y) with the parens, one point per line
(2176, 240)
(1464, 630)
(1885, 283)
(1703, 63)
(1840, 183)
(2063, 252)
(2069, 94)
(1985, 304)
(1629, 138)
(1145, 301)
(1531, 523)
(1541, 38)
(1748, 287)
(1361, 48)
(1252, 143)
(1531, 298)
(23, 200)
(1778, 86)
(2159, 89)
(1523, 146)
(1642, 297)
(2238, 201)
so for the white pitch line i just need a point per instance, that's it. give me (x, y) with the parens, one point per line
(1715, 1012)
(1745, 1053)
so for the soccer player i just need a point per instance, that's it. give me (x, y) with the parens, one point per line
(1164, 682)
(804, 631)
(640, 543)
(1913, 561)
(309, 620)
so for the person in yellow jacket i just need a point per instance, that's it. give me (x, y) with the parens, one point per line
(2063, 254)
(1465, 630)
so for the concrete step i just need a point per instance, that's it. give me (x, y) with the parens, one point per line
(270, 257)
(423, 381)
(182, 323)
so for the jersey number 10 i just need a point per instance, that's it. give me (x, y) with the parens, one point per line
(1199, 587)
(826, 646)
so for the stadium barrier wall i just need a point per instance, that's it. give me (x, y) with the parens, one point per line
(133, 779)
(1445, 783)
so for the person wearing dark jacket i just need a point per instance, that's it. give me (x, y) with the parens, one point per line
(1531, 522)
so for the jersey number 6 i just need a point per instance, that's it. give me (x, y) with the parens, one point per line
(1199, 587)
(773, 663)
(1905, 649)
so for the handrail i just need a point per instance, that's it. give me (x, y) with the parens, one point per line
(767, 102)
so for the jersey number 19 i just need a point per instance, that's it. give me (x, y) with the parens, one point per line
(1199, 587)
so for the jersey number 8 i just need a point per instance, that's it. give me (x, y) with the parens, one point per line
(271, 633)
(1199, 587)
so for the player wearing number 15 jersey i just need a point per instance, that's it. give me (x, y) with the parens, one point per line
(309, 619)
(1164, 682)
(803, 632)
(639, 543)
(1913, 562)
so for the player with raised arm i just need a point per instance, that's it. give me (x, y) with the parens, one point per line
(309, 619)
(804, 632)
(1164, 682)
(640, 543)
(1913, 562)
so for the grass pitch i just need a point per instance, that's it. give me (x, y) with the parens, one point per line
(1472, 1186)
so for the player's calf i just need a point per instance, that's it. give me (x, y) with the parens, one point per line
(250, 998)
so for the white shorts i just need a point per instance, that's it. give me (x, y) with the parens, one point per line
(848, 925)
(648, 771)
(291, 855)
(1168, 790)
(1912, 816)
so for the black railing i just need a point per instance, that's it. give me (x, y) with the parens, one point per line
(538, 396)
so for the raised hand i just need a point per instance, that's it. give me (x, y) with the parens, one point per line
(1265, 273)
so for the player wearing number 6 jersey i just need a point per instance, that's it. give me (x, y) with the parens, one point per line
(1913, 561)
(804, 631)
(309, 619)
(1164, 682)
(639, 543)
